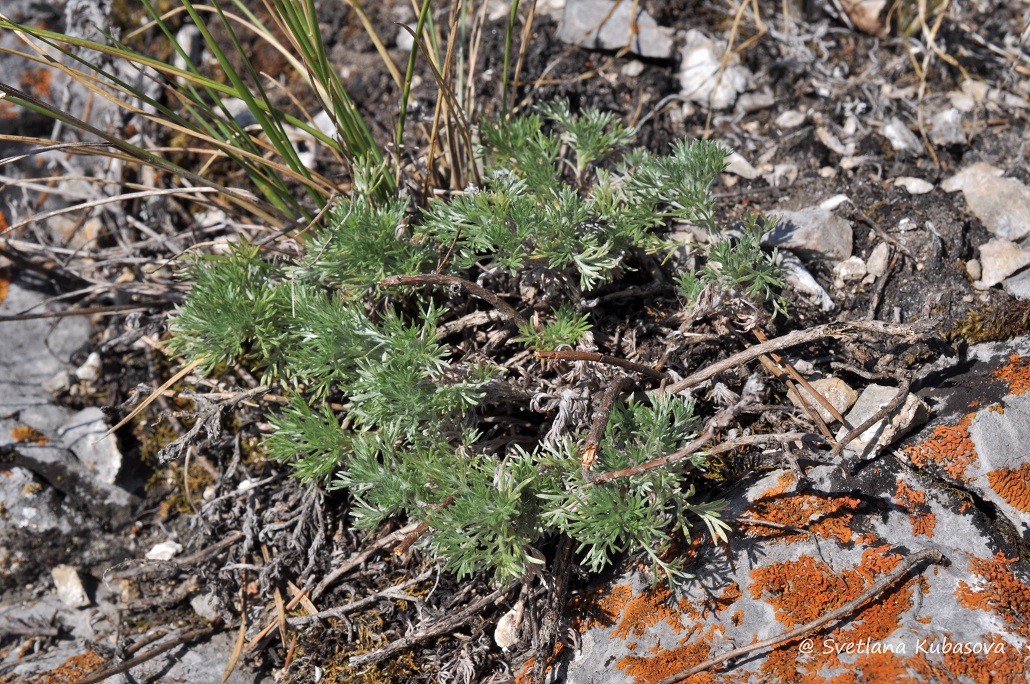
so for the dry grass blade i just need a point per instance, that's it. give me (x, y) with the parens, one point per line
(156, 394)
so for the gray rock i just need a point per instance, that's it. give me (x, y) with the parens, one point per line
(700, 65)
(852, 268)
(876, 264)
(756, 101)
(998, 260)
(581, 19)
(1001, 204)
(812, 232)
(912, 413)
(26, 363)
(82, 434)
(1018, 285)
(69, 586)
(205, 605)
(946, 128)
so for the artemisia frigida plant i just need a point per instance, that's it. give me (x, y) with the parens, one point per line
(561, 195)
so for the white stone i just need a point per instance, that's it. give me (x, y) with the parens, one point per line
(946, 128)
(700, 67)
(833, 143)
(840, 395)
(876, 264)
(1001, 204)
(90, 369)
(756, 101)
(914, 186)
(998, 260)
(60, 382)
(831, 203)
(790, 119)
(973, 269)
(506, 632)
(737, 165)
(782, 176)
(632, 68)
(900, 137)
(852, 268)
(205, 605)
(69, 586)
(883, 433)
(164, 551)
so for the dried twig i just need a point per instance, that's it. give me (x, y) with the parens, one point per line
(340, 611)
(506, 309)
(932, 555)
(597, 428)
(571, 355)
(720, 419)
(360, 557)
(797, 337)
(442, 627)
(184, 638)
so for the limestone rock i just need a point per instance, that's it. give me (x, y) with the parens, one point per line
(1001, 204)
(813, 231)
(912, 413)
(998, 260)
(581, 17)
(700, 65)
(69, 586)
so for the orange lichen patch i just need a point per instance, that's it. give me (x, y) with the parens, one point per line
(999, 662)
(802, 590)
(923, 523)
(997, 408)
(875, 668)
(1016, 374)
(71, 670)
(730, 595)
(647, 610)
(914, 501)
(1001, 593)
(908, 496)
(5, 276)
(1011, 484)
(24, 433)
(37, 81)
(826, 517)
(598, 609)
(949, 447)
(784, 482)
(668, 662)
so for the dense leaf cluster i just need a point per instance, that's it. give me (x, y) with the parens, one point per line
(407, 444)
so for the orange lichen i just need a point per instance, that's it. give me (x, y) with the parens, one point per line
(1001, 662)
(666, 662)
(802, 590)
(1011, 485)
(24, 433)
(599, 609)
(647, 610)
(914, 501)
(70, 671)
(5, 277)
(1016, 374)
(923, 523)
(949, 447)
(1001, 593)
(826, 517)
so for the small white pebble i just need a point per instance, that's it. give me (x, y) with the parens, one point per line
(166, 550)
